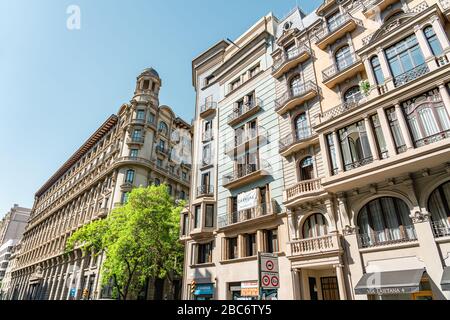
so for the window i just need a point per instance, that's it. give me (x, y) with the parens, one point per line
(159, 163)
(439, 207)
(209, 216)
(140, 115)
(124, 197)
(315, 226)
(291, 50)
(169, 189)
(204, 253)
(334, 21)
(206, 158)
(271, 237)
(381, 143)
(197, 216)
(295, 85)
(403, 57)
(302, 130)
(250, 99)
(137, 134)
(332, 156)
(146, 84)
(185, 225)
(306, 169)
(184, 175)
(395, 129)
(235, 84)
(182, 195)
(427, 118)
(352, 95)
(250, 245)
(343, 58)
(254, 71)
(433, 41)
(377, 71)
(157, 182)
(130, 176)
(163, 127)
(134, 153)
(355, 145)
(206, 182)
(385, 220)
(232, 248)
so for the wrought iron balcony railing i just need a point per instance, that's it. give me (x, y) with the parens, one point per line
(244, 170)
(246, 108)
(440, 229)
(205, 190)
(294, 92)
(358, 163)
(338, 110)
(210, 105)
(292, 54)
(433, 138)
(411, 75)
(207, 135)
(243, 215)
(245, 137)
(344, 64)
(331, 28)
(294, 138)
(387, 237)
(162, 150)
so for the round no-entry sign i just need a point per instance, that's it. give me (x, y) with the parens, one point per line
(269, 265)
(274, 281)
(266, 280)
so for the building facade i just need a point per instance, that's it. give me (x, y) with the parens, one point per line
(145, 143)
(362, 103)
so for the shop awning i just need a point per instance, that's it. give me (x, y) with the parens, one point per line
(204, 289)
(391, 282)
(445, 282)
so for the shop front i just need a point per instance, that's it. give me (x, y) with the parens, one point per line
(247, 290)
(396, 285)
(204, 291)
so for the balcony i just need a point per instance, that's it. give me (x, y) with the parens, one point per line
(303, 191)
(297, 141)
(205, 190)
(250, 138)
(137, 121)
(135, 140)
(249, 216)
(374, 6)
(135, 160)
(411, 75)
(207, 136)
(318, 246)
(247, 110)
(162, 150)
(288, 60)
(245, 174)
(387, 237)
(440, 229)
(338, 110)
(295, 96)
(331, 33)
(208, 109)
(101, 213)
(347, 68)
(432, 139)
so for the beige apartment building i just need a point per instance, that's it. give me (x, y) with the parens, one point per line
(362, 104)
(145, 143)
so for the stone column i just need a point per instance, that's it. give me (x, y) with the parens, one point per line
(296, 284)
(54, 281)
(441, 35)
(385, 127)
(71, 282)
(443, 90)
(64, 281)
(341, 281)
(351, 249)
(337, 148)
(325, 155)
(80, 274)
(425, 47)
(260, 241)
(388, 78)
(371, 138)
(403, 127)
(371, 77)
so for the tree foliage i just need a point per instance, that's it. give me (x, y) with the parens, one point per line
(139, 240)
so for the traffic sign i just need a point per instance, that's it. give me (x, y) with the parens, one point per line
(269, 271)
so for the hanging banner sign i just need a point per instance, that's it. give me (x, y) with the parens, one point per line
(247, 200)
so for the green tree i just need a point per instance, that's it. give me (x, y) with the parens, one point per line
(139, 240)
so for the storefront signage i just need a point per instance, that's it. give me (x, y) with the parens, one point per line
(381, 291)
(247, 200)
(250, 289)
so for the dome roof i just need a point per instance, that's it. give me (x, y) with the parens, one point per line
(150, 71)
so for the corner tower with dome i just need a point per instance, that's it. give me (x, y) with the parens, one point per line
(144, 143)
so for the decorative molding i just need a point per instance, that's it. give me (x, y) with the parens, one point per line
(349, 230)
(419, 217)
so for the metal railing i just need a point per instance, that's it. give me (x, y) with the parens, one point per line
(207, 135)
(304, 187)
(387, 236)
(411, 75)
(245, 137)
(440, 229)
(330, 29)
(210, 105)
(162, 150)
(445, 4)
(433, 138)
(205, 190)
(315, 245)
(290, 55)
(338, 110)
(245, 108)
(293, 138)
(294, 92)
(335, 69)
(243, 171)
(243, 215)
(138, 121)
(358, 163)
(442, 60)
(135, 140)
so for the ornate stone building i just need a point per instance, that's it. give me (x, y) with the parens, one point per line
(145, 143)
(362, 104)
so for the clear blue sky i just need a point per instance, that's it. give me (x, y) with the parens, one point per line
(57, 86)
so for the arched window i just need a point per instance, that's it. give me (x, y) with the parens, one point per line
(376, 67)
(385, 220)
(295, 85)
(163, 127)
(315, 226)
(393, 15)
(433, 41)
(130, 176)
(169, 189)
(352, 95)
(343, 58)
(301, 127)
(439, 207)
(306, 169)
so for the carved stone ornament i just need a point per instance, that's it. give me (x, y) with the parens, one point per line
(348, 230)
(419, 217)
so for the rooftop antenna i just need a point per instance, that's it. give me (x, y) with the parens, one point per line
(230, 41)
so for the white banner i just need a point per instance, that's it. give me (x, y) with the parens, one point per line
(247, 200)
